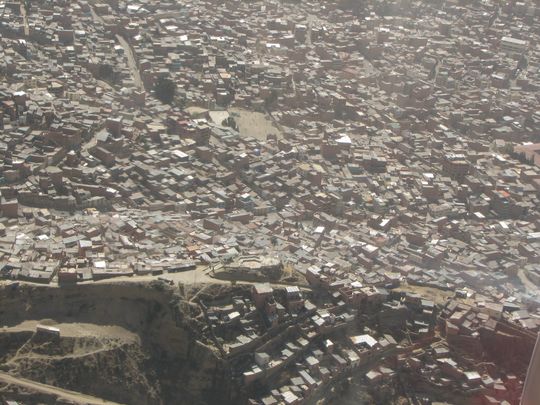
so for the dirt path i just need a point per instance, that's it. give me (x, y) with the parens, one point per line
(73, 396)
(435, 294)
(76, 329)
(198, 276)
(201, 275)
(528, 284)
(92, 141)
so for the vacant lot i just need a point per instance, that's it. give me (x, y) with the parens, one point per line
(254, 124)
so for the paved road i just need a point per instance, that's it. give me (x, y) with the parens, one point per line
(131, 62)
(64, 394)
(25, 19)
(127, 51)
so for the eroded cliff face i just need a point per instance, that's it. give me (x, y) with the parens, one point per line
(130, 343)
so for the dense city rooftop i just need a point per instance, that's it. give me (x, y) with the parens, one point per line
(377, 162)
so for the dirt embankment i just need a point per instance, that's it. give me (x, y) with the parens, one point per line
(129, 343)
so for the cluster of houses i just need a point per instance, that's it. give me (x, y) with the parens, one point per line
(353, 151)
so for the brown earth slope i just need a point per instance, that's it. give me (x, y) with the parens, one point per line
(128, 343)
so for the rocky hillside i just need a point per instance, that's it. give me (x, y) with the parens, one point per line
(129, 343)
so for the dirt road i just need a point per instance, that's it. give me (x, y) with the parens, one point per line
(201, 275)
(527, 284)
(72, 396)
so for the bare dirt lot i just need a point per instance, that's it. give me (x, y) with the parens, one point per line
(254, 124)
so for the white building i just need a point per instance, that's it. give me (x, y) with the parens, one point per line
(509, 44)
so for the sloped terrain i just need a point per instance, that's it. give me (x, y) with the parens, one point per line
(128, 343)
